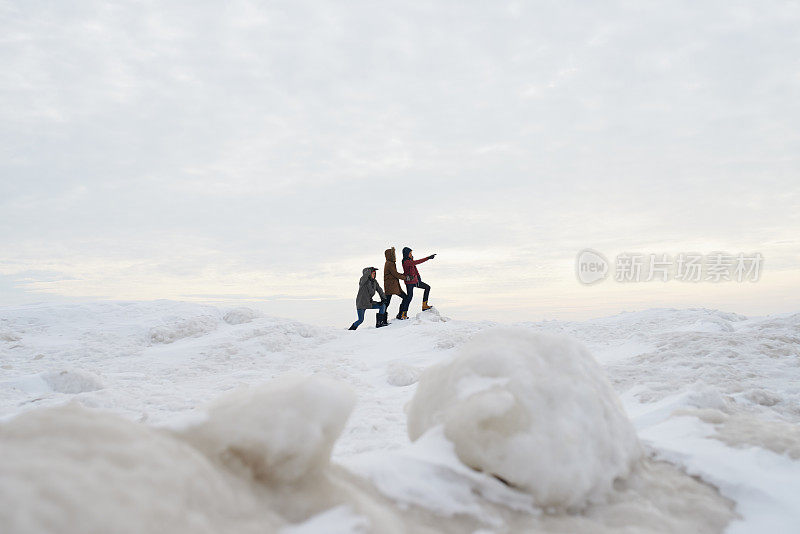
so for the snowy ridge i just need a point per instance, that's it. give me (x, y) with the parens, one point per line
(712, 393)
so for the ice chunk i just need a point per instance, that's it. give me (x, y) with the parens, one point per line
(283, 431)
(534, 410)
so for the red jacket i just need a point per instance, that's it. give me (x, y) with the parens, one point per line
(410, 269)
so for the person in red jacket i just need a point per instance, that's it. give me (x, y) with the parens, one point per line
(413, 279)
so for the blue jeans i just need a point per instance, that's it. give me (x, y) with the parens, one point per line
(361, 311)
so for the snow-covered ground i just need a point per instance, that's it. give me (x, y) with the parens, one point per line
(714, 399)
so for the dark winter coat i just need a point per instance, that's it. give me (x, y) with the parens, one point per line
(410, 270)
(366, 289)
(391, 277)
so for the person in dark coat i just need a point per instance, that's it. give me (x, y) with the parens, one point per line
(367, 287)
(391, 280)
(413, 279)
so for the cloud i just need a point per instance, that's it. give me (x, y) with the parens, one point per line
(152, 149)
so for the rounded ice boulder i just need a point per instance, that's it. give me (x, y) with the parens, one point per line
(533, 410)
(281, 432)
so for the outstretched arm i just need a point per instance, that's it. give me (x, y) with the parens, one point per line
(423, 260)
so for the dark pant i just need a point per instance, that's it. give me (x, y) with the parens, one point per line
(360, 312)
(402, 296)
(407, 301)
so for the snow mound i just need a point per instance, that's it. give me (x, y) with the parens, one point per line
(72, 470)
(431, 316)
(281, 432)
(191, 327)
(534, 410)
(401, 374)
(240, 315)
(71, 381)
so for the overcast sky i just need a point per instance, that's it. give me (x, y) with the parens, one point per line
(268, 151)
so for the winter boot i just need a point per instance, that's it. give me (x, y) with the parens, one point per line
(425, 305)
(352, 327)
(385, 319)
(399, 316)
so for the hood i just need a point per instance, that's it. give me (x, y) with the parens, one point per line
(389, 253)
(406, 252)
(366, 271)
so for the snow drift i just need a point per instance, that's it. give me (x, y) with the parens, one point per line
(534, 410)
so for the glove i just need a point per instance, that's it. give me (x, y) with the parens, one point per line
(432, 256)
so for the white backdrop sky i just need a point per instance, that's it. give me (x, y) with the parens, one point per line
(267, 151)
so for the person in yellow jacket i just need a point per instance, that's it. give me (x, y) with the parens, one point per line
(391, 280)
